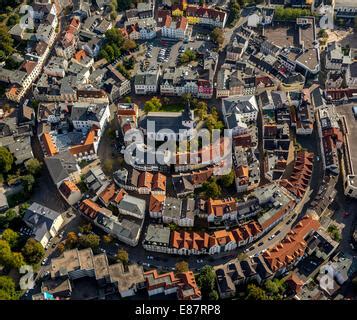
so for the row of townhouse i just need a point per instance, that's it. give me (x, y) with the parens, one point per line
(198, 14)
(161, 239)
(142, 182)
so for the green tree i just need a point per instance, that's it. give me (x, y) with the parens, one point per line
(322, 33)
(124, 4)
(107, 239)
(8, 289)
(188, 56)
(213, 122)
(6, 159)
(33, 166)
(212, 189)
(7, 218)
(234, 12)
(213, 295)
(334, 232)
(6, 42)
(71, 240)
(129, 45)
(181, 266)
(217, 36)
(228, 179)
(12, 20)
(33, 251)
(11, 237)
(275, 288)
(201, 110)
(127, 99)
(154, 104)
(28, 182)
(123, 256)
(85, 228)
(22, 208)
(256, 293)
(5, 254)
(89, 241)
(206, 281)
(17, 260)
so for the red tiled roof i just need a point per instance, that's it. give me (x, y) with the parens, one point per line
(67, 187)
(89, 208)
(108, 194)
(292, 246)
(48, 144)
(156, 202)
(219, 207)
(159, 182)
(145, 180)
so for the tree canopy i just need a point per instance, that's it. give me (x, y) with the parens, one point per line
(188, 56)
(212, 189)
(89, 241)
(285, 14)
(218, 36)
(71, 240)
(11, 237)
(181, 266)
(33, 166)
(33, 251)
(206, 281)
(8, 289)
(228, 179)
(8, 258)
(123, 256)
(6, 158)
(154, 104)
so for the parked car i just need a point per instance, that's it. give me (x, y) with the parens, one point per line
(44, 261)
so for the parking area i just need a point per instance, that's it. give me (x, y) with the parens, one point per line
(166, 52)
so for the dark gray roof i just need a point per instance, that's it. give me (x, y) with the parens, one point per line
(158, 234)
(85, 112)
(167, 120)
(40, 218)
(317, 98)
(133, 204)
(182, 184)
(61, 166)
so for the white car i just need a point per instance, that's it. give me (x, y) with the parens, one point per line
(44, 261)
(272, 237)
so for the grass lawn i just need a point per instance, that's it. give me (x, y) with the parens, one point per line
(172, 108)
